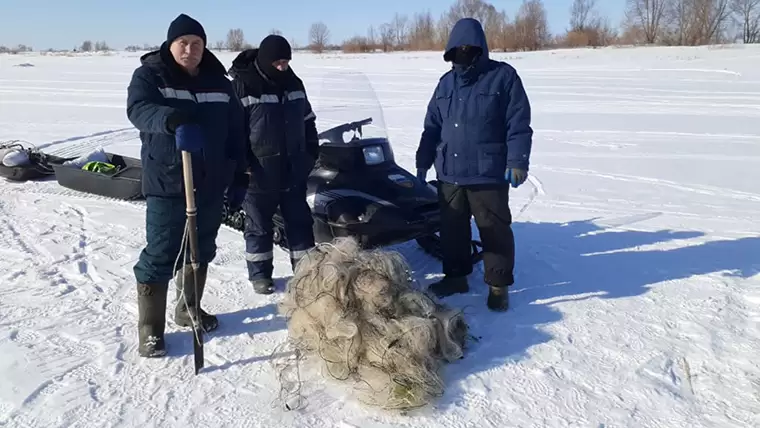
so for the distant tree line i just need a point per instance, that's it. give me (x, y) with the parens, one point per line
(663, 22)
(88, 46)
(651, 22)
(15, 50)
(693, 22)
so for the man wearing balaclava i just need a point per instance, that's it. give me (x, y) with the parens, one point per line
(478, 135)
(181, 100)
(282, 136)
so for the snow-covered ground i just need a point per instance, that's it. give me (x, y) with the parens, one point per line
(637, 301)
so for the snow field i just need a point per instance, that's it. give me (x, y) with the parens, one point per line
(637, 302)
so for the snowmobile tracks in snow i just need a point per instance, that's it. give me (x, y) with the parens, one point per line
(692, 188)
(53, 189)
(77, 146)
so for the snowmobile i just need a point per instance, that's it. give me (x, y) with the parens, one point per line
(356, 189)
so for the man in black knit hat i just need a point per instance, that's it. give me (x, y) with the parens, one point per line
(283, 144)
(181, 100)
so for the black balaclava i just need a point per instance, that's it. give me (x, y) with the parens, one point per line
(184, 25)
(273, 48)
(463, 56)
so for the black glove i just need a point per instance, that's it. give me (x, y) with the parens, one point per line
(177, 118)
(237, 191)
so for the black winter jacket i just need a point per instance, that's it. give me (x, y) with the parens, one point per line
(159, 88)
(280, 125)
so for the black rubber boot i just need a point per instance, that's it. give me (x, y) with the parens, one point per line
(449, 286)
(151, 319)
(263, 286)
(498, 299)
(183, 311)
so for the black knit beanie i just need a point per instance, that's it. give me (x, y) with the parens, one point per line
(184, 25)
(274, 48)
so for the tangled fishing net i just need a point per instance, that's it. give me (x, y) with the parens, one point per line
(356, 311)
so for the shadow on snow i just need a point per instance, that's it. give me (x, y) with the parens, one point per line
(558, 262)
(555, 262)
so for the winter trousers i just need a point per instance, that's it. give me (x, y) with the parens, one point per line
(260, 208)
(489, 204)
(164, 229)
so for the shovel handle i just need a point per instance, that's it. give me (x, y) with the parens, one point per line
(187, 169)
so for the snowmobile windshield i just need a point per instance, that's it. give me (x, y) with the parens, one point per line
(343, 100)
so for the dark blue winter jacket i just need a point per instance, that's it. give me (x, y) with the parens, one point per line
(280, 124)
(478, 120)
(160, 87)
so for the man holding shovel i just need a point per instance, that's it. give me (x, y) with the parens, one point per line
(182, 102)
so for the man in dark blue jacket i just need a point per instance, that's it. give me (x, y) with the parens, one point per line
(283, 141)
(477, 133)
(181, 100)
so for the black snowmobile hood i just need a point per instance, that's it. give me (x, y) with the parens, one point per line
(162, 58)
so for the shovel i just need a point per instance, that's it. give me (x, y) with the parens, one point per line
(192, 236)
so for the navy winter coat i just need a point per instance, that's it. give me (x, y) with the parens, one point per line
(158, 88)
(478, 120)
(281, 128)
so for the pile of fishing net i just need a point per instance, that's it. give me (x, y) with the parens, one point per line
(358, 312)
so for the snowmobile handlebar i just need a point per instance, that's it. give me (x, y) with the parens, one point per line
(335, 135)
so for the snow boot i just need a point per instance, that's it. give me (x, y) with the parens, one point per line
(183, 311)
(498, 299)
(449, 285)
(263, 286)
(151, 319)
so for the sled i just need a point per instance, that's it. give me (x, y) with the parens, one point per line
(356, 189)
(123, 183)
(40, 164)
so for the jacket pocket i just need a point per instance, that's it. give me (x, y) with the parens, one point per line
(265, 133)
(492, 160)
(267, 172)
(444, 105)
(163, 168)
(488, 107)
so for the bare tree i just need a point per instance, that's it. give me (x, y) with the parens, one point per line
(319, 35)
(491, 19)
(219, 45)
(712, 18)
(86, 46)
(422, 32)
(275, 32)
(400, 25)
(101, 47)
(235, 40)
(697, 22)
(581, 14)
(748, 12)
(531, 26)
(372, 37)
(387, 37)
(648, 16)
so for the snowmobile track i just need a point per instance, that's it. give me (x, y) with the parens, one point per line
(91, 142)
(56, 190)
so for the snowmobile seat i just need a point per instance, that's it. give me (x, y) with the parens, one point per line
(122, 179)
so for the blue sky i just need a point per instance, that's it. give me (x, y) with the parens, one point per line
(62, 24)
